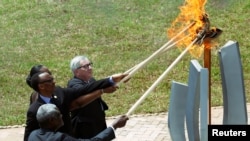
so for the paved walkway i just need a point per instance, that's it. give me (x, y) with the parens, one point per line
(138, 128)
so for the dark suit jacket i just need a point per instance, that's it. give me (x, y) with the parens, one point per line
(46, 135)
(63, 97)
(89, 120)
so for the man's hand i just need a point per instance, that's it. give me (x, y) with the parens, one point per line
(120, 121)
(118, 77)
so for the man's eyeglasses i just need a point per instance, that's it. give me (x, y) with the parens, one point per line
(47, 81)
(86, 66)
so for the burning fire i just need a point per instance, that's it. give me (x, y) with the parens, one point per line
(193, 12)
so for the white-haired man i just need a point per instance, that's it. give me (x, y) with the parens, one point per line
(89, 120)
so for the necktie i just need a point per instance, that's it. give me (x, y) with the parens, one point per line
(53, 100)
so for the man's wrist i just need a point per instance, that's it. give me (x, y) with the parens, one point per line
(112, 127)
(111, 80)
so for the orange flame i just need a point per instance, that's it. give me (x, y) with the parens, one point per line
(192, 11)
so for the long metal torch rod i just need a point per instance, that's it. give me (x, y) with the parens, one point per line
(145, 61)
(160, 78)
(140, 65)
(166, 49)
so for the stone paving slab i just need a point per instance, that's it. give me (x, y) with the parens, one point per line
(144, 128)
(151, 127)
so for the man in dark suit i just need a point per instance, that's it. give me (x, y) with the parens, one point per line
(89, 120)
(44, 84)
(50, 120)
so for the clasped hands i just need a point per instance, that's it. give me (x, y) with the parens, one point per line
(119, 76)
(116, 78)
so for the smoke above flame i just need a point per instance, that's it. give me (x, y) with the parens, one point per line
(192, 12)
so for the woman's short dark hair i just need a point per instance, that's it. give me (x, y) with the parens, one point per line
(35, 69)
